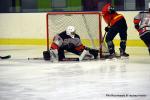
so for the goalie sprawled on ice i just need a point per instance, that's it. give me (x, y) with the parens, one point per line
(68, 40)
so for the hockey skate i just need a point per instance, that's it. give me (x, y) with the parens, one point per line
(113, 55)
(123, 53)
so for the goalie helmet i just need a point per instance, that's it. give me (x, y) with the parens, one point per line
(70, 31)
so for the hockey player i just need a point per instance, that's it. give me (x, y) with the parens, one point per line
(116, 24)
(68, 40)
(142, 24)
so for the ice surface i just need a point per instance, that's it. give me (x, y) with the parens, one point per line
(116, 79)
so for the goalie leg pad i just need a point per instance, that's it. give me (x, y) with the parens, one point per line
(46, 55)
(83, 54)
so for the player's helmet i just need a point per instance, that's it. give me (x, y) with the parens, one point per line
(111, 10)
(70, 30)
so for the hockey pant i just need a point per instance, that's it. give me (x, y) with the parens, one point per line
(61, 53)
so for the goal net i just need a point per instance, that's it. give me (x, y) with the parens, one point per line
(87, 24)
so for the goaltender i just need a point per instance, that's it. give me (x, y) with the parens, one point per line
(68, 41)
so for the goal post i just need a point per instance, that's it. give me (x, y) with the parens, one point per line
(87, 25)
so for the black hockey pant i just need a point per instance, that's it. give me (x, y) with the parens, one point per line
(61, 52)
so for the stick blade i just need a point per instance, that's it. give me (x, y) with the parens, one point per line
(5, 57)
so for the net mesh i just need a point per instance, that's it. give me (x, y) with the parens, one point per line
(86, 25)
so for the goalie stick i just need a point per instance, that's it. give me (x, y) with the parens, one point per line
(65, 59)
(103, 39)
(5, 57)
(35, 58)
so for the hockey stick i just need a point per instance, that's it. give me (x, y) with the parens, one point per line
(5, 57)
(36, 58)
(103, 40)
(65, 59)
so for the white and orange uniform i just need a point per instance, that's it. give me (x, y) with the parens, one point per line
(143, 21)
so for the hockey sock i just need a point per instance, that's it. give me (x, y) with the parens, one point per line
(110, 45)
(123, 45)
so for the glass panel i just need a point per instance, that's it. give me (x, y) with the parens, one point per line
(140, 5)
(59, 3)
(129, 5)
(6, 6)
(119, 4)
(146, 4)
(29, 5)
(102, 3)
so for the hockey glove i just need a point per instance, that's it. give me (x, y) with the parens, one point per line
(94, 53)
(107, 29)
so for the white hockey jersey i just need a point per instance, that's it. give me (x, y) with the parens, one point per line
(143, 21)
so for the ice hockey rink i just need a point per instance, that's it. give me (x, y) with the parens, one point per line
(115, 79)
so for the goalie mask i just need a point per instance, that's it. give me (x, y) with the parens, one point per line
(70, 31)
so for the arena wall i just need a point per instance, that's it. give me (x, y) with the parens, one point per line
(30, 29)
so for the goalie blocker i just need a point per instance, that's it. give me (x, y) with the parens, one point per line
(46, 55)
